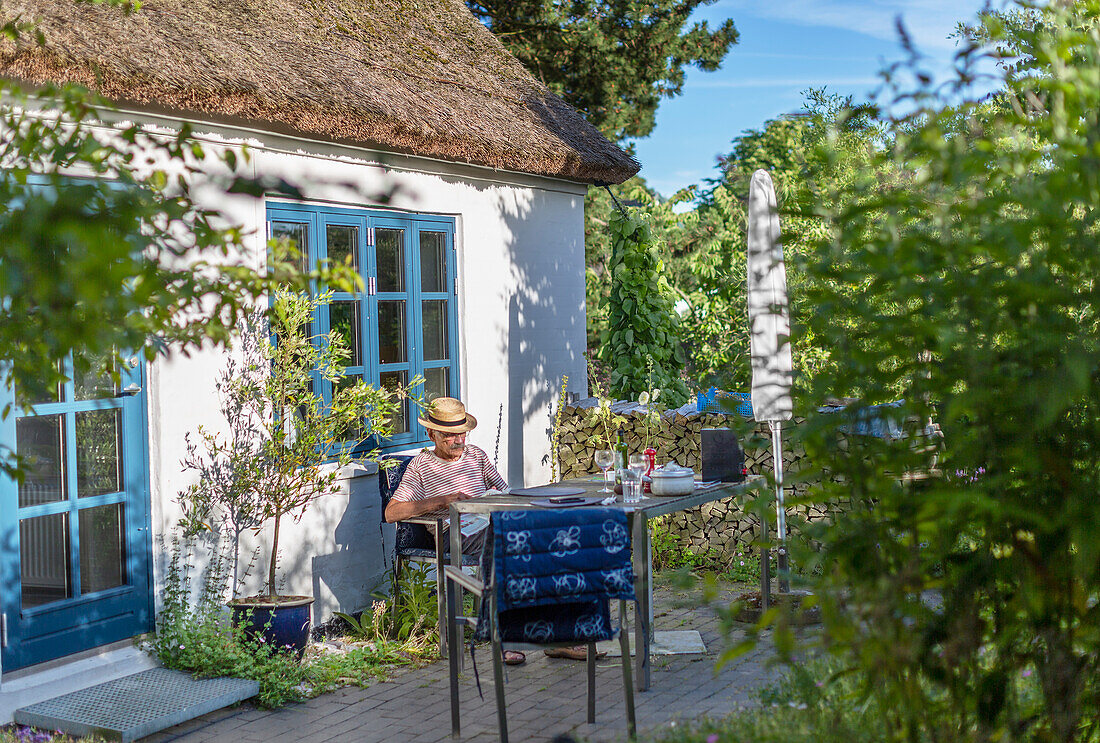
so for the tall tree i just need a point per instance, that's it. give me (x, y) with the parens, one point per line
(708, 267)
(612, 60)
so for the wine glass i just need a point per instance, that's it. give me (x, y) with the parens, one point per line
(604, 459)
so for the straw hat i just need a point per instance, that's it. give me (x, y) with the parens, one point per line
(448, 415)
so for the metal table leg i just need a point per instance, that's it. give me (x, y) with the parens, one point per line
(441, 591)
(643, 588)
(456, 562)
(454, 609)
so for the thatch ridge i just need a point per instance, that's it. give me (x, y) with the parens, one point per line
(417, 76)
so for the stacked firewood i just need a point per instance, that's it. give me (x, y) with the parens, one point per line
(724, 529)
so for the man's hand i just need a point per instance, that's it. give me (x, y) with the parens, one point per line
(401, 510)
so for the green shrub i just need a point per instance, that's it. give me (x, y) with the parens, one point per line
(641, 344)
(817, 700)
(670, 552)
(412, 622)
(977, 303)
(194, 634)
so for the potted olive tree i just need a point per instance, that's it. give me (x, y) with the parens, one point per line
(285, 447)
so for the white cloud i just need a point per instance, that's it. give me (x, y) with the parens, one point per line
(928, 22)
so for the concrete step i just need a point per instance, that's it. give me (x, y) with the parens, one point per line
(31, 685)
(135, 706)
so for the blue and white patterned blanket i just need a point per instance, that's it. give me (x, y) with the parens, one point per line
(556, 572)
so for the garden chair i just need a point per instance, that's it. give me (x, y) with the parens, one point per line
(549, 578)
(413, 542)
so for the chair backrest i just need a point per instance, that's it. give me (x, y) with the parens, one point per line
(409, 536)
(554, 571)
(390, 477)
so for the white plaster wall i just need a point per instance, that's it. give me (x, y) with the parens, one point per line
(520, 248)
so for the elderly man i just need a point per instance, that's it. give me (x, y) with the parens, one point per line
(453, 470)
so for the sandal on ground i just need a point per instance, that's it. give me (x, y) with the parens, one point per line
(577, 652)
(514, 658)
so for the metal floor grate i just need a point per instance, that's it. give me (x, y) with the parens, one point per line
(135, 706)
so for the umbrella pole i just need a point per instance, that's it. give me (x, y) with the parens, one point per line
(780, 509)
(765, 567)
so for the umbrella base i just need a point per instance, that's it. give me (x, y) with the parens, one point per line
(790, 603)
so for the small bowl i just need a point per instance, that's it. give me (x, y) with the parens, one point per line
(672, 480)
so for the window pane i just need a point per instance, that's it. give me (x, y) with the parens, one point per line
(298, 234)
(98, 452)
(390, 253)
(391, 332)
(435, 329)
(102, 548)
(26, 397)
(343, 244)
(41, 442)
(44, 559)
(343, 319)
(356, 432)
(391, 381)
(93, 384)
(437, 383)
(433, 266)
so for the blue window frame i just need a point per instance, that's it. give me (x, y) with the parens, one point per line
(404, 322)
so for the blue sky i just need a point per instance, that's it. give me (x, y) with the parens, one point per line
(786, 48)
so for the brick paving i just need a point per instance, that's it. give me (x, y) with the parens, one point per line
(545, 697)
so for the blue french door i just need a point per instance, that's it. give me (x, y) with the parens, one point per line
(74, 535)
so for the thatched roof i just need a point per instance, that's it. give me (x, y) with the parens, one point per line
(416, 76)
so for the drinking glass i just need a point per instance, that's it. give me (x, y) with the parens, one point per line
(632, 478)
(604, 459)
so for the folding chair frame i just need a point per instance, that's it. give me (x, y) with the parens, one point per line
(456, 581)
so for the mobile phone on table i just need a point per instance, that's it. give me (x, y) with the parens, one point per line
(567, 499)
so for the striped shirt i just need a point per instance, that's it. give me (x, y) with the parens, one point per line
(428, 475)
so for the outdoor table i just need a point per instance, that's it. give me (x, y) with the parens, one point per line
(639, 514)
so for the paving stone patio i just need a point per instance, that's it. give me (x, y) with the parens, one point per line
(546, 697)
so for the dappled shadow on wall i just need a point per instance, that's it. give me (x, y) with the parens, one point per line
(545, 335)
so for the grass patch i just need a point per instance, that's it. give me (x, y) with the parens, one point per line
(810, 704)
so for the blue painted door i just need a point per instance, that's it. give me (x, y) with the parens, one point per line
(74, 534)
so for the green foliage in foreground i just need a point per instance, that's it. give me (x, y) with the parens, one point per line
(808, 704)
(107, 252)
(812, 702)
(977, 301)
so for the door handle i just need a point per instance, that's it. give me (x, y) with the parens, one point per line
(130, 390)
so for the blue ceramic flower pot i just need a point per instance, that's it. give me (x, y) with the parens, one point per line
(282, 623)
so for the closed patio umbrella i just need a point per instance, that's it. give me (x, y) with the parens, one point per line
(769, 338)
